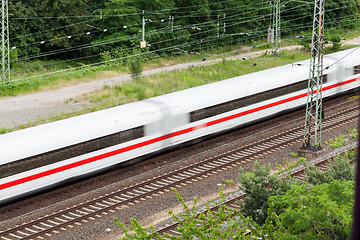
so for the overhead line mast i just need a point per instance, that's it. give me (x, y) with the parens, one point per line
(5, 52)
(276, 26)
(314, 111)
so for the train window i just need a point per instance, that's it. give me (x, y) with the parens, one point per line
(357, 69)
(200, 114)
(325, 78)
(71, 151)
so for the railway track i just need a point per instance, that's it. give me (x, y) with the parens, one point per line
(299, 174)
(62, 220)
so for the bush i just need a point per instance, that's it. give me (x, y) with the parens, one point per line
(136, 65)
(259, 186)
(336, 42)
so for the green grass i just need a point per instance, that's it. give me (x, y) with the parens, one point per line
(167, 82)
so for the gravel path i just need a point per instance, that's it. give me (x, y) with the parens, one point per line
(23, 109)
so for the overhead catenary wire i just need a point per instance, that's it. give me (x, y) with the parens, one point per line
(89, 45)
(342, 57)
(69, 35)
(80, 16)
(83, 57)
(42, 41)
(211, 39)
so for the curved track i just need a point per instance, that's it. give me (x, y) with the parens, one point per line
(232, 202)
(67, 218)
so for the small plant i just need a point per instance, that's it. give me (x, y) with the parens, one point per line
(353, 133)
(3, 130)
(228, 181)
(303, 161)
(339, 141)
(288, 166)
(294, 154)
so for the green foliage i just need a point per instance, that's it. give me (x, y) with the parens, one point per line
(228, 181)
(305, 40)
(336, 42)
(206, 226)
(308, 213)
(30, 18)
(288, 166)
(3, 130)
(342, 139)
(303, 161)
(339, 170)
(299, 212)
(353, 133)
(33, 21)
(258, 186)
(294, 154)
(140, 232)
(136, 64)
(338, 141)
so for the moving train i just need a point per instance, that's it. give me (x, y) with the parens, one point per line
(44, 156)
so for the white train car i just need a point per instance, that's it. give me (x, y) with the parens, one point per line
(43, 156)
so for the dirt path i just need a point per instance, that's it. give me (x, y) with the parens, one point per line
(23, 109)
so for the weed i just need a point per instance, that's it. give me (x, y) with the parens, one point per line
(3, 130)
(353, 133)
(228, 181)
(338, 142)
(294, 154)
(303, 161)
(288, 166)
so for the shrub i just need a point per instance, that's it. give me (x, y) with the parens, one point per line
(136, 65)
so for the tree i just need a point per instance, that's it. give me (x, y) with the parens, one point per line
(39, 26)
(339, 170)
(304, 212)
(258, 186)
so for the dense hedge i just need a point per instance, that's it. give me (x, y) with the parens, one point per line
(41, 26)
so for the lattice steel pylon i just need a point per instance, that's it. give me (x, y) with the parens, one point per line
(5, 50)
(276, 26)
(313, 118)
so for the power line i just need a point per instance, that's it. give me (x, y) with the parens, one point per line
(69, 35)
(99, 54)
(155, 33)
(209, 39)
(52, 29)
(81, 16)
(109, 41)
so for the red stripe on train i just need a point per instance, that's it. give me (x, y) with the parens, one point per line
(159, 139)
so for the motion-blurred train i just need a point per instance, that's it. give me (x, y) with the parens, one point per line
(43, 156)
